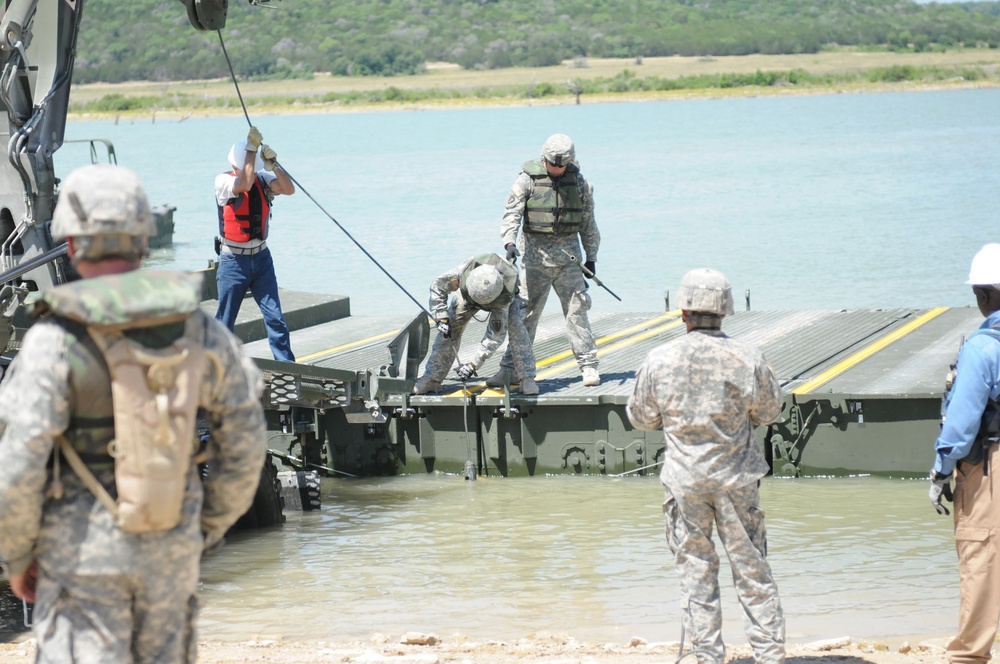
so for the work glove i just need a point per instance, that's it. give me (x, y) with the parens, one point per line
(444, 327)
(512, 252)
(269, 157)
(253, 139)
(592, 266)
(466, 371)
(940, 486)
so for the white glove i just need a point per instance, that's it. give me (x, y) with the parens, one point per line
(940, 486)
(269, 156)
(253, 139)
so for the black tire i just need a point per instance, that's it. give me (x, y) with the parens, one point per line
(268, 504)
(300, 489)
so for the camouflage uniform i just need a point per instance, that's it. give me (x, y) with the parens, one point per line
(707, 392)
(103, 595)
(545, 265)
(504, 321)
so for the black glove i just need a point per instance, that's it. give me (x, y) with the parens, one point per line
(512, 252)
(592, 266)
(466, 371)
(444, 328)
(940, 486)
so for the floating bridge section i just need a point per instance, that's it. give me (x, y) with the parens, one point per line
(861, 388)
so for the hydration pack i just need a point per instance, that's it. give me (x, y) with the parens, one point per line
(155, 391)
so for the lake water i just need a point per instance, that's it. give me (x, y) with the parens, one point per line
(835, 201)
(832, 201)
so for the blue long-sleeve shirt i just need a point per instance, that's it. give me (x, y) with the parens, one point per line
(977, 380)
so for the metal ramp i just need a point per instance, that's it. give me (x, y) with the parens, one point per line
(862, 395)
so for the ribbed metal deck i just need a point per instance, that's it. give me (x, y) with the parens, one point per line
(798, 344)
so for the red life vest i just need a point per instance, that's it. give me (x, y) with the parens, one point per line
(244, 217)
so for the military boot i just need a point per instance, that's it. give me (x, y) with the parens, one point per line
(426, 384)
(501, 378)
(590, 377)
(529, 386)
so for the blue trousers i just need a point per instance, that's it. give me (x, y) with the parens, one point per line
(236, 274)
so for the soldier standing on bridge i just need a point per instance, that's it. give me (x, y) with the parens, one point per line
(707, 392)
(485, 282)
(967, 449)
(553, 206)
(101, 401)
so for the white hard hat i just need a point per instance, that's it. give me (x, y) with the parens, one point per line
(985, 270)
(484, 284)
(707, 291)
(237, 156)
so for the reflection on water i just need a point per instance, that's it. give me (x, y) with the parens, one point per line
(503, 558)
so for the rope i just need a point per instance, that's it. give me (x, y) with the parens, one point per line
(310, 196)
(465, 419)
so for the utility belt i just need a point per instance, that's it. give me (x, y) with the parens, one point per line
(241, 251)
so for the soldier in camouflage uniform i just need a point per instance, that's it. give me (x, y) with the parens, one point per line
(554, 206)
(103, 594)
(707, 392)
(488, 283)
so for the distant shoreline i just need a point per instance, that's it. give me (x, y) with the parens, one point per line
(183, 113)
(597, 81)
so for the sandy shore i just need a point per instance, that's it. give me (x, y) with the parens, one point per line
(552, 649)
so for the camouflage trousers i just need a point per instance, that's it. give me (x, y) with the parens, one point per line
(142, 618)
(740, 521)
(444, 351)
(569, 284)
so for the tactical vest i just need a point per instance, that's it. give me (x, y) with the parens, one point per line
(507, 271)
(244, 217)
(554, 206)
(137, 357)
(989, 424)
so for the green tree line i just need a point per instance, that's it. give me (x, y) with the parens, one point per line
(152, 39)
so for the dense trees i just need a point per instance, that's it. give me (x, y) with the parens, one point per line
(152, 40)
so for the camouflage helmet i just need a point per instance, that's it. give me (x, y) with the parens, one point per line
(105, 210)
(558, 150)
(484, 284)
(706, 291)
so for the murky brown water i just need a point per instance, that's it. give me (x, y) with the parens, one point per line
(503, 558)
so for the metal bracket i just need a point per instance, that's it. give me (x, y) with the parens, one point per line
(507, 410)
(405, 412)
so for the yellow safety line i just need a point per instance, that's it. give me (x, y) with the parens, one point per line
(472, 389)
(353, 344)
(866, 352)
(552, 359)
(618, 346)
(552, 371)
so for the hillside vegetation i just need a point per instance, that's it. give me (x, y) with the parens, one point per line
(152, 39)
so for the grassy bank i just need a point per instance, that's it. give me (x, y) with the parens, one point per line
(572, 82)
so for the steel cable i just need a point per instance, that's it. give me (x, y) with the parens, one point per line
(298, 184)
(310, 196)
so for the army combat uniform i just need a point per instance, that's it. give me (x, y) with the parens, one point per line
(505, 319)
(707, 392)
(556, 215)
(102, 594)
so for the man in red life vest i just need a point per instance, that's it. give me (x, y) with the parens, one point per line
(244, 198)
